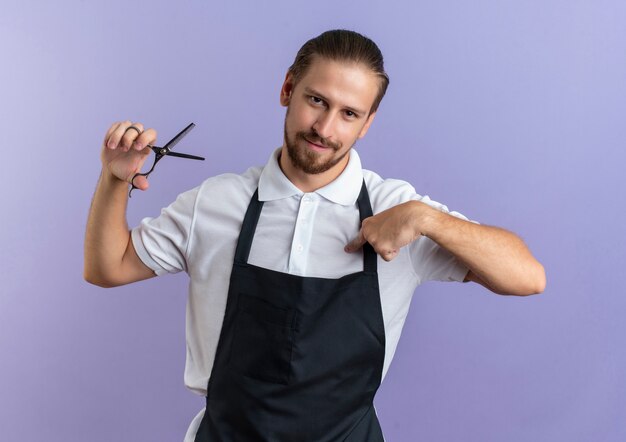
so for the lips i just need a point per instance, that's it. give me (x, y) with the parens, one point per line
(315, 145)
(321, 145)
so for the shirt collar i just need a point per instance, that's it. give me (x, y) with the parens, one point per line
(344, 190)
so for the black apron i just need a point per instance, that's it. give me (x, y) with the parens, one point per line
(298, 358)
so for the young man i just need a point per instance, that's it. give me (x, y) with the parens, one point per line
(292, 318)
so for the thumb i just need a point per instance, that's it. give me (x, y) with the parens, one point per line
(356, 243)
(140, 182)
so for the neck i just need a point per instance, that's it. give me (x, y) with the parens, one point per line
(307, 182)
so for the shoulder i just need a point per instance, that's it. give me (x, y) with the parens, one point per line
(389, 192)
(230, 186)
(223, 186)
(222, 198)
(234, 184)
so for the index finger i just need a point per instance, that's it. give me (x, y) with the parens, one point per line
(147, 137)
(356, 243)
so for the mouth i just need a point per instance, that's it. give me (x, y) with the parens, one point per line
(316, 147)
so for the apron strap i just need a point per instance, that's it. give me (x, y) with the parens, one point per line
(247, 229)
(253, 213)
(365, 211)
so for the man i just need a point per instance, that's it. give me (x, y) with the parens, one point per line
(292, 319)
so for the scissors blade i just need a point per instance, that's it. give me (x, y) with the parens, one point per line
(184, 155)
(174, 141)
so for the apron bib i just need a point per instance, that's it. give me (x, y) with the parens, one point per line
(298, 358)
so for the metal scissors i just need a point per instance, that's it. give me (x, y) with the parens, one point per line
(160, 152)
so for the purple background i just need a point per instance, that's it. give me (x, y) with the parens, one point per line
(509, 112)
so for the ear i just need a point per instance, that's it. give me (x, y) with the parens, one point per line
(367, 125)
(286, 90)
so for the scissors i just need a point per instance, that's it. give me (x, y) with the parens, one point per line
(160, 152)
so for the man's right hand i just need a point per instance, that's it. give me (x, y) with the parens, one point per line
(110, 256)
(125, 150)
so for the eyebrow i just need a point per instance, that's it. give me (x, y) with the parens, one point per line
(308, 90)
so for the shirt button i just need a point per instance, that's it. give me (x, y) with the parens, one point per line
(299, 247)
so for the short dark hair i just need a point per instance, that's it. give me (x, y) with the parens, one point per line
(342, 45)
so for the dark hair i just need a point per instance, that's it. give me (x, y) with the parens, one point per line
(342, 45)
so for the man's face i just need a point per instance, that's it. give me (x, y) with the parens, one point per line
(327, 111)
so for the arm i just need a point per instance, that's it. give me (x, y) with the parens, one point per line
(496, 258)
(110, 257)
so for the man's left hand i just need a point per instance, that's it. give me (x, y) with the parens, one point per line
(391, 229)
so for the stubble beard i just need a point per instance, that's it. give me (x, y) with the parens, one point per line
(307, 160)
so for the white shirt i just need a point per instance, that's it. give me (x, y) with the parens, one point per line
(298, 233)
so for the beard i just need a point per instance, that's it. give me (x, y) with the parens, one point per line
(307, 160)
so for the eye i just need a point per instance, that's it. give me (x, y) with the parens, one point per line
(315, 100)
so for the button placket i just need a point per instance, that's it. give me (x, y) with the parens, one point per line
(302, 234)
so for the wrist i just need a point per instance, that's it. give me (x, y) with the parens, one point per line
(425, 219)
(109, 179)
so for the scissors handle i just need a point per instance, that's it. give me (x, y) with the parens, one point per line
(132, 181)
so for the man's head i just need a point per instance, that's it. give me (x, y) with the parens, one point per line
(345, 46)
(331, 92)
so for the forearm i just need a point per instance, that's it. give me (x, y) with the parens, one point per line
(107, 235)
(499, 258)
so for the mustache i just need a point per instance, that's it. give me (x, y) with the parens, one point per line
(314, 137)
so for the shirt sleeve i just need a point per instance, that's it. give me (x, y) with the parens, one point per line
(162, 242)
(432, 262)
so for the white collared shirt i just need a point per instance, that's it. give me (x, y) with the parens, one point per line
(298, 233)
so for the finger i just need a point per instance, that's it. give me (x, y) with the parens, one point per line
(130, 134)
(131, 131)
(149, 136)
(140, 182)
(356, 243)
(118, 133)
(389, 255)
(107, 137)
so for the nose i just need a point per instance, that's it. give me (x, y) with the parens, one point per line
(324, 125)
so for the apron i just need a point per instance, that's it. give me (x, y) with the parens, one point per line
(298, 358)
